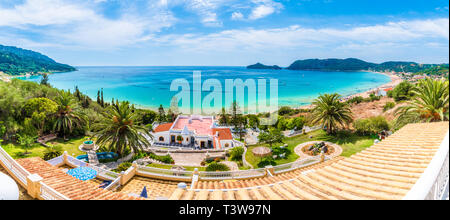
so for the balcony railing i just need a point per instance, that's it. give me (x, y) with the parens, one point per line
(433, 182)
(15, 168)
(48, 193)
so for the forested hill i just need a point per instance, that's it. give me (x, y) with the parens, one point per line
(350, 64)
(17, 61)
(262, 66)
(353, 64)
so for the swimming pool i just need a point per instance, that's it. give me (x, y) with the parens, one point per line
(100, 156)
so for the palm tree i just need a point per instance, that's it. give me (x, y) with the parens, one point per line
(119, 129)
(67, 115)
(430, 103)
(330, 112)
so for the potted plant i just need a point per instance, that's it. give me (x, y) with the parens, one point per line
(179, 139)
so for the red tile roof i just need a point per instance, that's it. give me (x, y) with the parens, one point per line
(163, 127)
(201, 127)
(224, 133)
(67, 185)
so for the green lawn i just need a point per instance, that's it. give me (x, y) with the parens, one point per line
(37, 150)
(350, 145)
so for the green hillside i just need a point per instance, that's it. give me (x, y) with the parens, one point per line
(17, 61)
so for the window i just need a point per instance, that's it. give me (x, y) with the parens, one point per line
(227, 145)
(161, 138)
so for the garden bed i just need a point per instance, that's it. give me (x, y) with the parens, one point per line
(313, 150)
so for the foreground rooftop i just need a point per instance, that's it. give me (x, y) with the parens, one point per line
(387, 170)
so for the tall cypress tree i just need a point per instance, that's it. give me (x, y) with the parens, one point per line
(102, 101)
(161, 117)
(98, 97)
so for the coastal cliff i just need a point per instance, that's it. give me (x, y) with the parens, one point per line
(16, 61)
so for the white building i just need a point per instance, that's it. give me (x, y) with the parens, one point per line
(193, 131)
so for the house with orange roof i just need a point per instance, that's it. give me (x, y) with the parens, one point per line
(194, 131)
(383, 92)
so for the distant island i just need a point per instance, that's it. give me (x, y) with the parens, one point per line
(16, 61)
(353, 64)
(262, 66)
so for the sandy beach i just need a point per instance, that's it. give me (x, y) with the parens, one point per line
(395, 80)
(7, 78)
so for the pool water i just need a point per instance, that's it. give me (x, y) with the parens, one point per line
(88, 142)
(101, 155)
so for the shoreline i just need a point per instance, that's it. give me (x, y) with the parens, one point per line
(395, 80)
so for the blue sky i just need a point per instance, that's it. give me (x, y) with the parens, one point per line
(226, 32)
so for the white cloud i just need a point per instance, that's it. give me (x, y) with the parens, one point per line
(237, 16)
(79, 25)
(264, 8)
(206, 10)
(290, 38)
(261, 11)
(43, 12)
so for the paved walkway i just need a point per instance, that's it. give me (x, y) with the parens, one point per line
(251, 137)
(188, 159)
(232, 165)
(299, 152)
(92, 156)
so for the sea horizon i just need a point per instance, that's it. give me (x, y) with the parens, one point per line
(137, 84)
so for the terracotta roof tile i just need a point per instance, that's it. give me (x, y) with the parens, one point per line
(66, 184)
(386, 170)
(163, 127)
(224, 133)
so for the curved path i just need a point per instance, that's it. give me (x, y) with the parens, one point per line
(299, 152)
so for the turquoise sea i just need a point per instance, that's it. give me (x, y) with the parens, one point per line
(150, 86)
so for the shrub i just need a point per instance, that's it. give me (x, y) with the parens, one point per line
(123, 167)
(214, 166)
(371, 125)
(165, 159)
(285, 110)
(278, 150)
(402, 91)
(139, 155)
(209, 160)
(388, 105)
(362, 126)
(282, 123)
(367, 99)
(266, 161)
(236, 153)
(343, 134)
(296, 123)
(52, 152)
(356, 99)
(373, 97)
